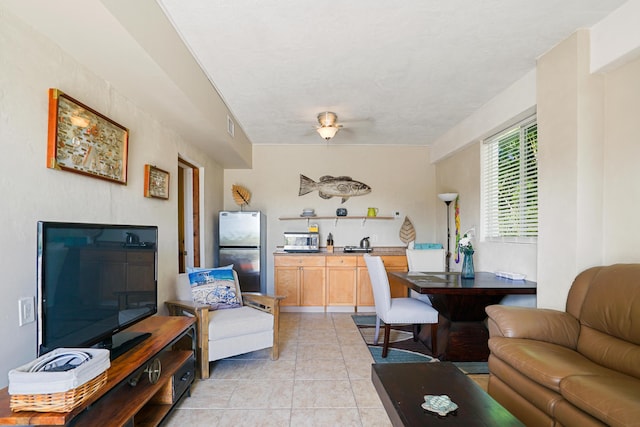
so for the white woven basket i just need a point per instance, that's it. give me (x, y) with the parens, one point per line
(22, 381)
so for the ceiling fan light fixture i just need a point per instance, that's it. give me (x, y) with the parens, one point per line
(327, 132)
(328, 127)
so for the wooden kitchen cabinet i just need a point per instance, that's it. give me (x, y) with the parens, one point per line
(365, 292)
(301, 279)
(312, 286)
(341, 280)
(331, 280)
(396, 263)
(287, 283)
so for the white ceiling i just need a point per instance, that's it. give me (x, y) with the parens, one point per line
(400, 72)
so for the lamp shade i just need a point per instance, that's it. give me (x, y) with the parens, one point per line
(447, 197)
(327, 132)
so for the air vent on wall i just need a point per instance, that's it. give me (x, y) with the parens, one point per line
(230, 126)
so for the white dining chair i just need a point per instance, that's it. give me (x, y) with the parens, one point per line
(397, 310)
(432, 260)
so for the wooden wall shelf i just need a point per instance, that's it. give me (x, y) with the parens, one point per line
(335, 218)
(288, 218)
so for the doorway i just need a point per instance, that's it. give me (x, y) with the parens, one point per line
(188, 215)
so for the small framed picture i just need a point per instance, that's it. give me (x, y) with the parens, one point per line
(84, 141)
(156, 182)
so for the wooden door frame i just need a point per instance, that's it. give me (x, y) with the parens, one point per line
(185, 165)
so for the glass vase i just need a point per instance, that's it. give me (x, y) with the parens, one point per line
(468, 271)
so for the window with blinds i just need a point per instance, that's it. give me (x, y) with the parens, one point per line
(510, 184)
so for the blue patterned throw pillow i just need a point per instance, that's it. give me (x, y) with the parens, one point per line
(215, 288)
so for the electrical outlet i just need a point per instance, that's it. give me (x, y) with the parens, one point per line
(26, 311)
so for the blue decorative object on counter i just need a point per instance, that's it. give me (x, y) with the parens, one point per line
(427, 246)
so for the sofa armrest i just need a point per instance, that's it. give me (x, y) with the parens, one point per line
(263, 302)
(552, 326)
(182, 307)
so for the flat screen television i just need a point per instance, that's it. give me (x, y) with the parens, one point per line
(94, 281)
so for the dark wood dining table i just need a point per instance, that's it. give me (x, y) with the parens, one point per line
(462, 333)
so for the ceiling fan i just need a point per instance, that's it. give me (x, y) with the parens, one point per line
(328, 126)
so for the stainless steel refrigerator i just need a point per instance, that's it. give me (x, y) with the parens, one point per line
(242, 238)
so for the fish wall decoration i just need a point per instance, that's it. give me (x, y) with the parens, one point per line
(329, 186)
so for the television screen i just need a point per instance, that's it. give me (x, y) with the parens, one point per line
(94, 280)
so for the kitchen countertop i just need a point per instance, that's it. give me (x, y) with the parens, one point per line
(338, 251)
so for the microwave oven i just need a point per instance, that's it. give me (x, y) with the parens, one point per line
(301, 242)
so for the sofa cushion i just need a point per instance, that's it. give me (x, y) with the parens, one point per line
(613, 299)
(542, 398)
(609, 351)
(608, 334)
(547, 325)
(240, 321)
(614, 400)
(545, 363)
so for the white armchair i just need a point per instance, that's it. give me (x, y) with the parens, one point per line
(229, 332)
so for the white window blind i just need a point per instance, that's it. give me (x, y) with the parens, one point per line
(510, 183)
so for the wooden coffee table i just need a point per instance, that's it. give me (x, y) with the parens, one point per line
(402, 387)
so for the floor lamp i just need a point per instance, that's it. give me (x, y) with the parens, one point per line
(448, 198)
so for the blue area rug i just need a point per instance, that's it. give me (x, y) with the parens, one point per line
(399, 356)
(402, 348)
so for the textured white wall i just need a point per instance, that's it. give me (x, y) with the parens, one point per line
(589, 189)
(616, 39)
(402, 179)
(460, 173)
(588, 150)
(570, 120)
(515, 103)
(621, 183)
(29, 66)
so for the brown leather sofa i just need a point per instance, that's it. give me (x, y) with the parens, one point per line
(575, 368)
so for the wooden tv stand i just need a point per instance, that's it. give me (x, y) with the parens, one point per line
(118, 403)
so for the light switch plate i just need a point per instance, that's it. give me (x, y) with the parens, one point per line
(26, 311)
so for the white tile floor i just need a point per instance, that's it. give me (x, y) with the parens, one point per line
(322, 378)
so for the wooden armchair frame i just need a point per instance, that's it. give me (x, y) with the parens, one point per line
(262, 302)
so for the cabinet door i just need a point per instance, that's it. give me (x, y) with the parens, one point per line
(312, 286)
(391, 263)
(396, 263)
(341, 286)
(398, 290)
(341, 280)
(287, 283)
(365, 292)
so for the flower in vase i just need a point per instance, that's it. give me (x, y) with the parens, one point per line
(465, 246)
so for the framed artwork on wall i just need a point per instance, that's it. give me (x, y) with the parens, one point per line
(156, 182)
(84, 141)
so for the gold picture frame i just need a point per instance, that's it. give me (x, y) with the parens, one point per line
(156, 182)
(84, 141)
